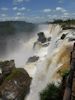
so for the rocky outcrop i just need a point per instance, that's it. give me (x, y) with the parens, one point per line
(42, 40)
(64, 36)
(1, 78)
(7, 67)
(41, 37)
(33, 59)
(16, 84)
(71, 39)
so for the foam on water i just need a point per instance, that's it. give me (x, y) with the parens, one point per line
(49, 65)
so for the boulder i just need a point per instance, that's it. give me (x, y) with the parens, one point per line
(41, 37)
(7, 67)
(71, 39)
(49, 39)
(33, 59)
(63, 36)
(16, 85)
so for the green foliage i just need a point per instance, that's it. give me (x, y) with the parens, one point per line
(52, 92)
(4, 63)
(65, 24)
(16, 72)
(59, 21)
(65, 73)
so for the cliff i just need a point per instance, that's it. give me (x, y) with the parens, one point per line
(14, 82)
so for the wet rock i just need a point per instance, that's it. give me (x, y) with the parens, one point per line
(71, 39)
(16, 85)
(41, 37)
(49, 39)
(63, 36)
(45, 45)
(7, 67)
(1, 79)
(33, 59)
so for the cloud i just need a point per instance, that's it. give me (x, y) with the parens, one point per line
(66, 14)
(3, 15)
(61, 1)
(47, 10)
(20, 1)
(4, 8)
(15, 8)
(22, 9)
(60, 9)
(19, 13)
(27, 0)
(19, 9)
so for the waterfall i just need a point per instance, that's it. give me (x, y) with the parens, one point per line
(58, 54)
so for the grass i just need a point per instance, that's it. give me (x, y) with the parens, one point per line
(15, 72)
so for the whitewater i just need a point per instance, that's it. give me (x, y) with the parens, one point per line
(52, 58)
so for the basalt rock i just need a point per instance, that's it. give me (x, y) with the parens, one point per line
(33, 59)
(71, 39)
(1, 79)
(41, 37)
(16, 85)
(63, 36)
(7, 67)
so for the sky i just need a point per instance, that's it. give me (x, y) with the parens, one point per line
(36, 10)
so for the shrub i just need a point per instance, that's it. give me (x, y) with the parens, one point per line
(52, 92)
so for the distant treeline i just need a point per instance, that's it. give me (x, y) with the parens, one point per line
(68, 21)
(65, 24)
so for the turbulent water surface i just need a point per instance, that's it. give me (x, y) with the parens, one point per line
(53, 57)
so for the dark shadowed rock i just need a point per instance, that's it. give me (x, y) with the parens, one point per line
(71, 39)
(41, 37)
(33, 59)
(1, 79)
(7, 67)
(49, 39)
(16, 85)
(63, 36)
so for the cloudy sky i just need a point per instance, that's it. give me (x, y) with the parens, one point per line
(36, 10)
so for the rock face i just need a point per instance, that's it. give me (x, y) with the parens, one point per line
(7, 67)
(41, 37)
(42, 40)
(16, 85)
(33, 59)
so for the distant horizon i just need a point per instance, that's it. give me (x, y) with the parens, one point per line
(37, 22)
(36, 11)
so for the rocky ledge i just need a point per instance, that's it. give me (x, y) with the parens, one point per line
(14, 85)
(33, 59)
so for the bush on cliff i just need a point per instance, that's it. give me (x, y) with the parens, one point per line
(52, 92)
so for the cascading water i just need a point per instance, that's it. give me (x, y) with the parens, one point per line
(57, 54)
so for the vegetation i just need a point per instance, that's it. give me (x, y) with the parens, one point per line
(63, 72)
(10, 28)
(52, 92)
(15, 73)
(66, 24)
(68, 21)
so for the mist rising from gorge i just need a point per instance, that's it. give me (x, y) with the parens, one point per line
(16, 40)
